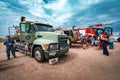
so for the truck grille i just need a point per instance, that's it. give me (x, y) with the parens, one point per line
(62, 41)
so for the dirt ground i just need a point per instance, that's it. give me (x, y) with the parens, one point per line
(78, 64)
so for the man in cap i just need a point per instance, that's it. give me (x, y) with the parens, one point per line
(9, 47)
(23, 19)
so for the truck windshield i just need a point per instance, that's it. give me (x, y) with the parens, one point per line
(98, 31)
(75, 31)
(39, 27)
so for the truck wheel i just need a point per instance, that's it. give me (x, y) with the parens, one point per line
(118, 39)
(70, 43)
(38, 54)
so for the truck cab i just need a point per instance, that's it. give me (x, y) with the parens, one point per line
(42, 40)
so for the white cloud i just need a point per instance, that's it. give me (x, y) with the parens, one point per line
(8, 18)
(90, 2)
(111, 21)
(60, 11)
(58, 5)
(84, 17)
(60, 20)
(102, 16)
(85, 4)
(88, 19)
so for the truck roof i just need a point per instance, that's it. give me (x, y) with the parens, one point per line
(36, 22)
(70, 29)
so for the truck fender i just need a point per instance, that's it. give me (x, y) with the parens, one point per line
(33, 47)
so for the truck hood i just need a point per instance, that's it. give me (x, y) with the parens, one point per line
(51, 36)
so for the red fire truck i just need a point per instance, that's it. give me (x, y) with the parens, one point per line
(76, 34)
(95, 30)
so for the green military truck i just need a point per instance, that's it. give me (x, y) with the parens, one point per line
(42, 41)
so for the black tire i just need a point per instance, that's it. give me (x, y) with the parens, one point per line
(70, 43)
(118, 39)
(38, 54)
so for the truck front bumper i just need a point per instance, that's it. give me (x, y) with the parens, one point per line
(56, 53)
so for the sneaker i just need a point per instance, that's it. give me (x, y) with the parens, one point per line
(107, 55)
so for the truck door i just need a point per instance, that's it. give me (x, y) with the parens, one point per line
(27, 33)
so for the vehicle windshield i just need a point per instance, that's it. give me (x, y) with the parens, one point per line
(67, 32)
(108, 30)
(74, 31)
(98, 30)
(39, 27)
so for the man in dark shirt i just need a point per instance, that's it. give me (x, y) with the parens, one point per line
(9, 47)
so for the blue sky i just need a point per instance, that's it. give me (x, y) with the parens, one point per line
(60, 13)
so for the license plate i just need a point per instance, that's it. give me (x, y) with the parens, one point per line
(79, 41)
(53, 60)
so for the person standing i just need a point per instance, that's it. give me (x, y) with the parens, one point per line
(89, 40)
(9, 47)
(111, 41)
(104, 44)
(99, 43)
(84, 42)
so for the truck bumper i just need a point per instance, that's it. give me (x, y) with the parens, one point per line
(56, 53)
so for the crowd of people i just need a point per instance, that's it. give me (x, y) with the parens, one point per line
(101, 42)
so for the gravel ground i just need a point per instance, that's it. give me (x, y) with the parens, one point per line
(78, 64)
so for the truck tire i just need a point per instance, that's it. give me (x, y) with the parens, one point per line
(70, 43)
(118, 39)
(38, 54)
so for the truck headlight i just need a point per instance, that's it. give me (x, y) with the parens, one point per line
(53, 46)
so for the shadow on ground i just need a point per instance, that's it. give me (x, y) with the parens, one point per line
(67, 58)
(4, 67)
